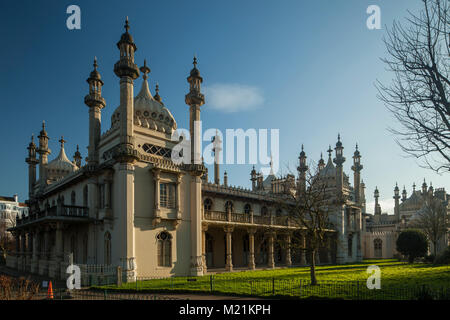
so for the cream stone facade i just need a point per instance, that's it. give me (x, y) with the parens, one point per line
(131, 206)
(382, 230)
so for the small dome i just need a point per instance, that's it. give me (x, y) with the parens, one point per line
(61, 165)
(149, 113)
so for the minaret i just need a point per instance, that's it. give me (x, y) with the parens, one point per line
(404, 194)
(424, 187)
(253, 178)
(225, 179)
(43, 151)
(357, 167)
(339, 161)
(96, 103)
(77, 157)
(217, 147)
(396, 202)
(321, 164)
(377, 205)
(126, 155)
(32, 162)
(127, 71)
(302, 168)
(363, 195)
(195, 99)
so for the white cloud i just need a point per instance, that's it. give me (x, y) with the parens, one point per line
(233, 97)
(387, 205)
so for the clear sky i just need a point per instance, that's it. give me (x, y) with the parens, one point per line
(307, 68)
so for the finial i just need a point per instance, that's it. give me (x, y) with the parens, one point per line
(127, 26)
(357, 146)
(157, 97)
(32, 137)
(321, 156)
(330, 151)
(62, 141)
(302, 146)
(195, 61)
(339, 137)
(145, 70)
(78, 148)
(95, 63)
(43, 124)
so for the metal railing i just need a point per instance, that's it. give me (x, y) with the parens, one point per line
(66, 210)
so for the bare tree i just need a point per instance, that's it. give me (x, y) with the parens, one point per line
(418, 97)
(308, 209)
(433, 220)
(6, 239)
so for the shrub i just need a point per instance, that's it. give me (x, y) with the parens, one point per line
(412, 243)
(444, 257)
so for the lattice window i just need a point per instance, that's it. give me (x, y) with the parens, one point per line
(167, 195)
(157, 150)
(207, 204)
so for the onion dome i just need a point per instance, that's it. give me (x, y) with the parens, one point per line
(95, 75)
(149, 112)
(61, 165)
(195, 72)
(339, 143)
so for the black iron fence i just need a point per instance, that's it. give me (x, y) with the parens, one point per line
(288, 288)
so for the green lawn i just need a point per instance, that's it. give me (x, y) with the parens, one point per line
(399, 280)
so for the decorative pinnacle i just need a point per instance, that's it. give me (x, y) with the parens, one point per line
(43, 124)
(32, 137)
(127, 26)
(195, 61)
(321, 156)
(357, 146)
(329, 151)
(145, 70)
(62, 141)
(339, 137)
(95, 63)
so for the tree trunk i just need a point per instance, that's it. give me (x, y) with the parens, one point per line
(313, 267)
(435, 248)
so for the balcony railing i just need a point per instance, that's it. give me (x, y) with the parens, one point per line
(63, 211)
(246, 218)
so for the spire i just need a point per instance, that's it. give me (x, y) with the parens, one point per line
(77, 157)
(62, 141)
(127, 27)
(145, 70)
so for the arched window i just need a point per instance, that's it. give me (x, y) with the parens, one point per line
(85, 196)
(350, 246)
(207, 204)
(264, 211)
(164, 245)
(247, 208)
(229, 206)
(107, 244)
(378, 247)
(73, 198)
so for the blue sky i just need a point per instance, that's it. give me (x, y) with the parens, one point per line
(307, 68)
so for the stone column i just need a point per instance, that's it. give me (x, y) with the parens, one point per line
(251, 215)
(287, 258)
(157, 216)
(270, 259)
(107, 194)
(178, 196)
(229, 243)
(251, 244)
(204, 229)
(59, 241)
(35, 245)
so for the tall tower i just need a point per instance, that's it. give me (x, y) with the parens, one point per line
(126, 155)
(302, 168)
(253, 178)
(424, 187)
(96, 103)
(43, 151)
(32, 162)
(127, 71)
(376, 195)
(217, 147)
(396, 202)
(339, 161)
(357, 167)
(195, 99)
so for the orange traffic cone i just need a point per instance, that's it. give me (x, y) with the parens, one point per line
(50, 291)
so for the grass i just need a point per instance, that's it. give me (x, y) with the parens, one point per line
(399, 280)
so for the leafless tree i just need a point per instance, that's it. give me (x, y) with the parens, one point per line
(6, 239)
(418, 54)
(433, 220)
(308, 209)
